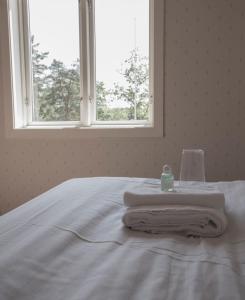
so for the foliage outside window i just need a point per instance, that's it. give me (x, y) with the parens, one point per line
(60, 92)
(57, 90)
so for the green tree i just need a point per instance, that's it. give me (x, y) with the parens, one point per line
(56, 88)
(101, 104)
(62, 96)
(39, 71)
(135, 91)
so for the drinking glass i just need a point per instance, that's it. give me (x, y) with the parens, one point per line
(192, 169)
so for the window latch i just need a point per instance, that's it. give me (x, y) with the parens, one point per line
(90, 4)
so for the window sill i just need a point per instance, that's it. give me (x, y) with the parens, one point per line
(95, 131)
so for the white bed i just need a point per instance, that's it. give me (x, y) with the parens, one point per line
(70, 243)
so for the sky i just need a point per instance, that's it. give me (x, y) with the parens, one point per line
(121, 25)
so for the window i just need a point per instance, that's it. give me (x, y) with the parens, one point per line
(86, 64)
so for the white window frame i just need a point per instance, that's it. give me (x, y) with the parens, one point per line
(17, 120)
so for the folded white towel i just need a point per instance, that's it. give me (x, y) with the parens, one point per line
(188, 220)
(192, 211)
(154, 196)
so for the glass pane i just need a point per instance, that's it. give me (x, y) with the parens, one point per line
(122, 60)
(54, 29)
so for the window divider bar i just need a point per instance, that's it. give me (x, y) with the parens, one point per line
(151, 59)
(26, 61)
(92, 88)
(84, 62)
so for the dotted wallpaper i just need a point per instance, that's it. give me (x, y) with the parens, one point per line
(204, 108)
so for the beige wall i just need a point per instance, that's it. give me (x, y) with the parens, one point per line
(204, 107)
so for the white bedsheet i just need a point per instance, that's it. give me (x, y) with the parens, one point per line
(70, 243)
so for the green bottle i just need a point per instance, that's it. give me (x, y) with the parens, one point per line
(167, 179)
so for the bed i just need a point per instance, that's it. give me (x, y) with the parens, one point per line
(70, 243)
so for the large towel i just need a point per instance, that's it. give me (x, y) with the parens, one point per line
(182, 196)
(197, 211)
(188, 220)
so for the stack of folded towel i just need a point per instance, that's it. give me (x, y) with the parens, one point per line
(190, 212)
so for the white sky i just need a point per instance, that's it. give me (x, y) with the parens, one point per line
(120, 26)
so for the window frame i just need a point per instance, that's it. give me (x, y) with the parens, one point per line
(16, 128)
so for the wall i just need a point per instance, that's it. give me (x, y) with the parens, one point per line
(204, 107)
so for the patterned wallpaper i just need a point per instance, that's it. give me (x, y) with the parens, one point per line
(204, 107)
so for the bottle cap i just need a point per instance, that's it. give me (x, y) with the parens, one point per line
(167, 169)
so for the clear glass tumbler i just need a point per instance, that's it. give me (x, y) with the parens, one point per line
(192, 169)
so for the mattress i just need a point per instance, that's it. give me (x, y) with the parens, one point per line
(70, 243)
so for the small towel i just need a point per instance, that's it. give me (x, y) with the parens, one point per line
(188, 220)
(154, 196)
